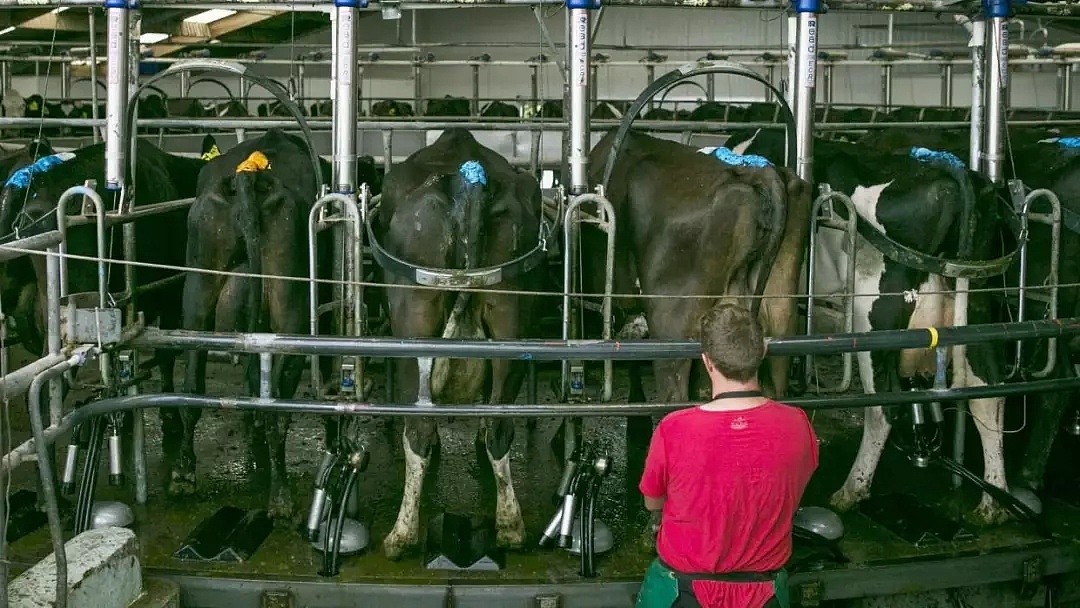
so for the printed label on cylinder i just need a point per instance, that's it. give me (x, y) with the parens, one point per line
(581, 41)
(811, 50)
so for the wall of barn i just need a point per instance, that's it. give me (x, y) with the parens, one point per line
(513, 33)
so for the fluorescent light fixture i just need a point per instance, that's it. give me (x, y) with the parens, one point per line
(209, 16)
(7, 30)
(152, 38)
(57, 11)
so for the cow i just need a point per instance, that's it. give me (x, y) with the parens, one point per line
(921, 205)
(251, 214)
(500, 108)
(160, 239)
(456, 204)
(1041, 159)
(388, 107)
(673, 204)
(449, 106)
(18, 291)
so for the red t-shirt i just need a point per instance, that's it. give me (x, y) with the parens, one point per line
(732, 483)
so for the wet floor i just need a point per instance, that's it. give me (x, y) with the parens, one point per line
(461, 484)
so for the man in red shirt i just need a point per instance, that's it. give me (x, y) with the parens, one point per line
(728, 477)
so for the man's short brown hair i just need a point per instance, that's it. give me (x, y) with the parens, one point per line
(732, 339)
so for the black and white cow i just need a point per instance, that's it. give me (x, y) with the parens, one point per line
(921, 205)
(456, 204)
(251, 213)
(1041, 158)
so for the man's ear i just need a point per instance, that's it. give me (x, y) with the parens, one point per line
(708, 364)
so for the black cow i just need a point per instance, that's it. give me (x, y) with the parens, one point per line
(456, 204)
(920, 205)
(391, 108)
(251, 212)
(499, 108)
(739, 225)
(449, 106)
(160, 239)
(18, 291)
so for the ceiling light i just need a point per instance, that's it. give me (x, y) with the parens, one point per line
(210, 16)
(57, 11)
(7, 30)
(152, 38)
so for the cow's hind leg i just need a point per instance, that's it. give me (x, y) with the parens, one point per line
(989, 415)
(420, 438)
(875, 433)
(507, 377)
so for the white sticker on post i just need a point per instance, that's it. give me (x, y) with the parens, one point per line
(1004, 67)
(811, 50)
(581, 43)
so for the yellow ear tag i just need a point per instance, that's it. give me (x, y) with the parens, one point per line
(212, 153)
(256, 162)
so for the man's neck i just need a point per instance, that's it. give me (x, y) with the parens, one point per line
(722, 386)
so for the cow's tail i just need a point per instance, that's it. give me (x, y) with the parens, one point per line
(248, 221)
(772, 220)
(967, 198)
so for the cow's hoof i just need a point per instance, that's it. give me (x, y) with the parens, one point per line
(181, 484)
(511, 536)
(844, 500)
(395, 544)
(989, 513)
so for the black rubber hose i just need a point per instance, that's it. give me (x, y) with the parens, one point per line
(48, 484)
(334, 500)
(350, 481)
(85, 501)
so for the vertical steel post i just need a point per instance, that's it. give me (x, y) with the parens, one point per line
(805, 76)
(946, 85)
(579, 92)
(65, 79)
(117, 93)
(475, 90)
(792, 57)
(997, 79)
(1066, 97)
(345, 98)
(978, 78)
(5, 75)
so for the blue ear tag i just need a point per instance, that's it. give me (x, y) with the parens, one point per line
(473, 173)
(926, 155)
(727, 156)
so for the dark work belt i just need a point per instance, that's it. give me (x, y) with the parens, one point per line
(723, 577)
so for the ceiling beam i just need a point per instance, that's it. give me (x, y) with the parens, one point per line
(197, 33)
(64, 22)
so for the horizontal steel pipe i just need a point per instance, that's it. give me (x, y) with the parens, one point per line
(38, 242)
(516, 124)
(557, 350)
(112, 219)
(338, 408)
(16, 382)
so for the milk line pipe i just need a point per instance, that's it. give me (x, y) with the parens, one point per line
(616, 63)
(540, 410)
(633, 350)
